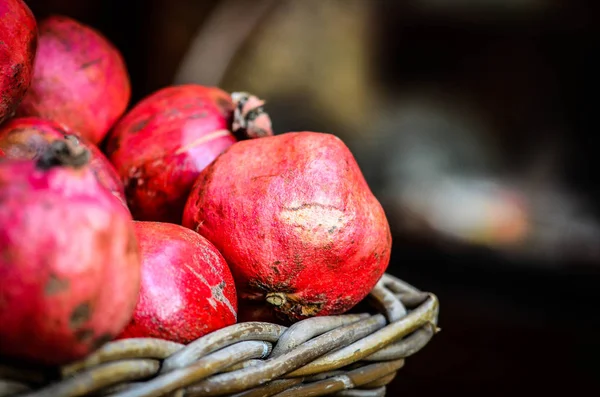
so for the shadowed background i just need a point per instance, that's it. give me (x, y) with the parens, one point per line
(473, 124)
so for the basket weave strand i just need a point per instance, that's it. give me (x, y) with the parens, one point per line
(345, 355)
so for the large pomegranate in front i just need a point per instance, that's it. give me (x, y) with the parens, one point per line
(296, 221)
(69, 258)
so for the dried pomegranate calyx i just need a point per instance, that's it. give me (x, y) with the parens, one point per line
(250, 120)
(291, 303)
(276, 298)
(67, 152)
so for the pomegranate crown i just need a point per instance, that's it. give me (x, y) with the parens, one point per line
(249, 117)
(64, 152)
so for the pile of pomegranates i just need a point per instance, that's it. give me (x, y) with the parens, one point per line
(171, 219)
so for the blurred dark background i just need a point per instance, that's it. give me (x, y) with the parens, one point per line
(473, 122)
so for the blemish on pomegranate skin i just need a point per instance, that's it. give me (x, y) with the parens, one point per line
(200, 115)
(83, 335)
(174, 112)
(80, 315)
(217, 291)
(275, 268)
(55, 285)
(254, 178)
(17, 70)
(59, 37)
(313, 221)
(297, 260)
(140, 125)
(274, 287)
(86, 65)
(101, 340)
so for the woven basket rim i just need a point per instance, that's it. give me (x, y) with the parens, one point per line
(345, 355)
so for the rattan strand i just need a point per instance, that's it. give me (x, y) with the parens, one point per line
(346, 355)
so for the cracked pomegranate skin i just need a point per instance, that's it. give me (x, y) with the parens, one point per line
(80, 79)
(18, 43)
(295, 219)
(69, 263)
(187, 288)
(28, 137)
(163, 143)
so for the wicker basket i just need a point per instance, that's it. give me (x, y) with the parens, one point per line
(346, 355)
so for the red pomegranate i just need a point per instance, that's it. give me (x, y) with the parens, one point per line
(187, 289)
(29, 137)
(18, 42)
(163, 143)
(69, 258)
(295, 219)
(80, 79)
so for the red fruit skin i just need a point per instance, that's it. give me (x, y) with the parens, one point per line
(18, 43)
(295, 219)
(28, 137)
(187, 288)
(163, 143)
(80, 79)
(69, 263)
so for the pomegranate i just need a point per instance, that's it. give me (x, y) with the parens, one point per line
(163, 143)
(69, 258)
(187, 289)
(29, 137)
(80, 79)
(18, 43)
(295, 219)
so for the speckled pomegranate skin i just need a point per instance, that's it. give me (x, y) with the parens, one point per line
(28, 137)
(69, 263)
(187, 288)
(163, 143)
(18, 43)
(295, 219)
(79, 80)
